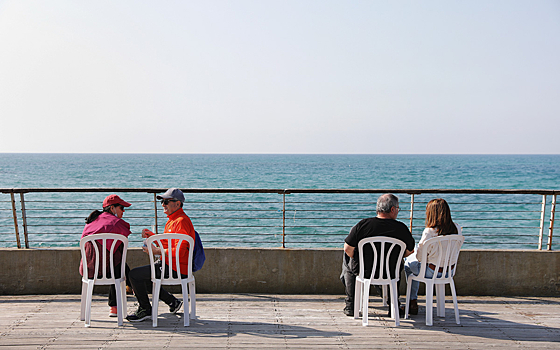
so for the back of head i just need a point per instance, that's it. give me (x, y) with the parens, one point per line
(386, 202)
(438, 215)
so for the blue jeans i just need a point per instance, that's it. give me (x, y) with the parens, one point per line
(413, 267)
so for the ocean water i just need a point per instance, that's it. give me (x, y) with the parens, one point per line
(280, 171)
(274, 172)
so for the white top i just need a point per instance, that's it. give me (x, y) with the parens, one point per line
(433, 254)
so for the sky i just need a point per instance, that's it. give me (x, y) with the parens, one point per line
(304, 77)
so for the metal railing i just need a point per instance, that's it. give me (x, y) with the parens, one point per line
(54, 217)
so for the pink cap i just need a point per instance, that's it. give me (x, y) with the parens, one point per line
(114, 199)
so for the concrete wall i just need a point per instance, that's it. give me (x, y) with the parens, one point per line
(255, 270)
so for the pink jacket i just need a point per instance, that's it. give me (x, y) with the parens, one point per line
(105, 223)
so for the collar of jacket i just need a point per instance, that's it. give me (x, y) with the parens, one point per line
(176, 214)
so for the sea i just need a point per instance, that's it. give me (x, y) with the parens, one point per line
(266, 171)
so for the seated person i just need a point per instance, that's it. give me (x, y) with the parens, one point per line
(384, 224)
(108, 221)
(178, 222)
(438, 223)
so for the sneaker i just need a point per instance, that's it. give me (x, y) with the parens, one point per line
(140, 315)
(349, 311)
(113, 312)
(176, 306)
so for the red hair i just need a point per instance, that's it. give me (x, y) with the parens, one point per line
(438, 216)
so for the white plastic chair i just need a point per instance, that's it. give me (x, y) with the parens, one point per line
(448, 248)
(187, 284)
(361, 298)
(106, 240)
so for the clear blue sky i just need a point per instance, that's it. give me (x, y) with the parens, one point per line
(280, 76)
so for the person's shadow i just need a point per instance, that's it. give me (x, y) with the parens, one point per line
(481, 324)
(225, 328)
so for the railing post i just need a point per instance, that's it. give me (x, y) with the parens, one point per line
(541, 232)
(155, 212)
(551, 228)
(284, 219)
(411, 211)
(14, 214)
(24, 221)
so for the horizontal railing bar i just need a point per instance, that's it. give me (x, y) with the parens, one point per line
(141, 190)
(492, 219)
(148, 210)
(288, 202)
(151, 217)
(498, 235)
(285, 191)
(311, 221)
(405, 202)
(239, 226)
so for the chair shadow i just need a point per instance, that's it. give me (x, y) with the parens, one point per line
(168, 322)
(481, 324)
(224, 329)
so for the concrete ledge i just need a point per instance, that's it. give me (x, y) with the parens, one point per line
(286, 271)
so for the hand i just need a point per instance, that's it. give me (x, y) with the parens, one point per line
(155, 250)
(146, 233)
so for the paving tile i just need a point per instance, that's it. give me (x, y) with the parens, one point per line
(254, 321)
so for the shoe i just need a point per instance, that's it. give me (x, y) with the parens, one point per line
(400, 308)
(412, 308)
(176, 306)
(348, 311)
(140, 315)
(401, 311)
(113, 312)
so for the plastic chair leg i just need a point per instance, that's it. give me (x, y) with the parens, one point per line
(357, 299)
(454, 294)
(83, 302)
(365, 302)
(384, 294)
(186, 309)
(429, 303)
(408, 288)
(123, 298)
(440, 299)
(118, 290)
(192, 292)
(89, 298)
(156, 286)
(394, 303)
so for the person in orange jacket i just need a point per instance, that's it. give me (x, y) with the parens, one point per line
(178, 222)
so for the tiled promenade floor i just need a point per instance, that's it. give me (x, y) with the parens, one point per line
(241, 321)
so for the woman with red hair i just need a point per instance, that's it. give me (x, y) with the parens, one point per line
(438, 223)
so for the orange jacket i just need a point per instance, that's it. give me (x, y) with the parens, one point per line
(178, 222)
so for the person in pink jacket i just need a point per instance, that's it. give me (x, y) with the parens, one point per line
(107, 221)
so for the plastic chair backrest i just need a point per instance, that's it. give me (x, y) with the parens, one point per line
(448, 248)
(109, 242)
(168, 259)
(387, 245)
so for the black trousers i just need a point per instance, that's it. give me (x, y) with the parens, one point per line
(141, 278)
(348, 279)
(112, 290)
